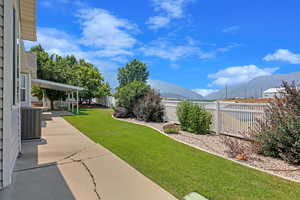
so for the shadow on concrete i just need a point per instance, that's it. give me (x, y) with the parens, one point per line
(48, 115)
(35, 181)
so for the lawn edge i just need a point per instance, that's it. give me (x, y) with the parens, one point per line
(207, 151)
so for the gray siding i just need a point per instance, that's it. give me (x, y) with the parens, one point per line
(1, 90)
(10, 121)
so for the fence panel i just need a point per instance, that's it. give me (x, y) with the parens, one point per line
(238, 118)
(227, 118)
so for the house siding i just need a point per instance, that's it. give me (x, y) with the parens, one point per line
(10, 116)
(1, 89)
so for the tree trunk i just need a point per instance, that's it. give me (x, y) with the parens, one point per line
(51, 105)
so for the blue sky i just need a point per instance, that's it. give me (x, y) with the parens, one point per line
(202, 45)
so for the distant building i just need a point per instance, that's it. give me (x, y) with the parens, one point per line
(272, 92)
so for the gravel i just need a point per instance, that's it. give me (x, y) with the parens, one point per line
(214, 143)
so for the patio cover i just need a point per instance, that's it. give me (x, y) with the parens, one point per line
(55, 86)
(69, 89)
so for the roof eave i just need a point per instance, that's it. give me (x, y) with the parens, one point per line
(28, 20)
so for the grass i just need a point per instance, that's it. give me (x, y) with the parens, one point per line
(178, 168)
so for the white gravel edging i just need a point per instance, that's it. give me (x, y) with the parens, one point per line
(205, 150)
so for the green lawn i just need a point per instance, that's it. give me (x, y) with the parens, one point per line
(178, 168)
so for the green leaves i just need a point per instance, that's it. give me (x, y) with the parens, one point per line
(134, 71)
(193, 118)
(69, 70)
(183, 114)
(129, 95)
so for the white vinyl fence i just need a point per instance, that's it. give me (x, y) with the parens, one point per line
(228, 117)
(107, 101)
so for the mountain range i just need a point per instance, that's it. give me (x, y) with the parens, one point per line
(168, 90)
(255, 87)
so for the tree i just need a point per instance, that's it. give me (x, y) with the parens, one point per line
(105, 90)
(130, 94)
(88, 77)
(37, 92)
(50, 68)
(69, 70)
(134, 71)
(149, 108)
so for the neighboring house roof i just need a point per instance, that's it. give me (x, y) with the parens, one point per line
(28, 19)
(277, 90)
(273, 90)
(55, 86)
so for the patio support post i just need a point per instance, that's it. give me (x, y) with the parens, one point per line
(69, 107)
(44, 103)
(218, 123)
(77, 102)
(72, 93)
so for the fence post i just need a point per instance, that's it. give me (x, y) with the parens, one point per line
(165, 111)
(218, 123)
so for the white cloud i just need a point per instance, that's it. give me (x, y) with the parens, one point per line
(204, 92)
(59, 42)
(158, 22)
(238, 74)
(231, 29)
(214, 53)
(105, 35)
(55, 41)
(283, 55)
(101, 29)
(167, 10)
(166, 49)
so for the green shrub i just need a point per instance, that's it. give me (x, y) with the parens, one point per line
(120, 112)
(183, 110)
(199, 120)
(130, 94)
(278, 135)
(193, 118)
(149, 108)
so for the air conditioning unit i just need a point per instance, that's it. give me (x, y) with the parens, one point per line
(31, 123)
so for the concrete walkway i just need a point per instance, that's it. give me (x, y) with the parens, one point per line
(66, 165)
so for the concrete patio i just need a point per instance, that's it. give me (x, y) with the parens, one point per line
(66, 165)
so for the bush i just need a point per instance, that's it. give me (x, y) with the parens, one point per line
(130, 94)
(149, 108)
(199, 120)
(278, 135)
(183, 110)
(193, 118)
(171, 128)
(120, 112)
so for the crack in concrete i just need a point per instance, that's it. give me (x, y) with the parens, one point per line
(60, 162)
(55, 164)
(91, 175)
(72, 155)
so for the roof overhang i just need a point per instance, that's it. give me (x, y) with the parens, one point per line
(55, 86)
(28, 19)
